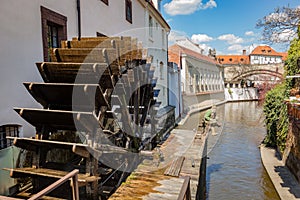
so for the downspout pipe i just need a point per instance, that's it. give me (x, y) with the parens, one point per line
(79, 19)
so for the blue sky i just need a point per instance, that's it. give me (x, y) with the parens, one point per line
(226, 25)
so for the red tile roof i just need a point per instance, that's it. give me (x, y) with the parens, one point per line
(176, 50)
(284, 55)
(233, 59)
(265, 50)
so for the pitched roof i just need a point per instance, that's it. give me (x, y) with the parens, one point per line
(179, 50)
(233, 59)
(265, 50)
(284, 55)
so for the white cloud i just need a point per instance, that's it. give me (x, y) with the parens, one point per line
(285, 35)
(169, 20)
(249, 33)
(198, 38)
(186, 7)
(231, 39)
(205, 47)
(235, 47)
(176, 35)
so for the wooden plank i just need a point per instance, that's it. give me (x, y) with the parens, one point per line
(66, 95)
(60, 120)
(27, 195)
(53, 186)
(175, 167)
(87, 55)
(83, 179)
(53, 72)
(108, 43)
(8, 198)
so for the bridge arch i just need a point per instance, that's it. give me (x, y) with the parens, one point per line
(257, 72)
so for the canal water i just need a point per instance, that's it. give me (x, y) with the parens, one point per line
(234, 168)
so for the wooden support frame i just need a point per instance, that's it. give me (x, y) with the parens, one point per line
(74, 184)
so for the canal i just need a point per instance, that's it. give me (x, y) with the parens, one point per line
(234, 168)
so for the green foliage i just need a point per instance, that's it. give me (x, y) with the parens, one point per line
(276, 117)
(274, 108)
(291, 65)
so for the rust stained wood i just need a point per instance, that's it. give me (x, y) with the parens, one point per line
(63, 94)
(59, 119)
(149, 186)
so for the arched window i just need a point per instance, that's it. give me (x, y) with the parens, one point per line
(161, 70)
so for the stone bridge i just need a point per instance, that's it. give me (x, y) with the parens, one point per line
(255, 73)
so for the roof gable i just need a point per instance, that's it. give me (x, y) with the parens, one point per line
(265, 51)
(177, 49)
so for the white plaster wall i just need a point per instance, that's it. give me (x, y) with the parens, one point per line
(263, 60)
(175, 95)
(209, 72)
(21, 48)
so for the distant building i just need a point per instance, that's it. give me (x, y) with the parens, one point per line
(262, 66)
(261, 55)
(201, 75)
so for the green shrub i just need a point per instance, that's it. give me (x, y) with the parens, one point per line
(276, 117)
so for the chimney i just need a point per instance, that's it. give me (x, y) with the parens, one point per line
(244, 52)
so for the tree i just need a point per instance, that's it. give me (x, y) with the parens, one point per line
(281, 25)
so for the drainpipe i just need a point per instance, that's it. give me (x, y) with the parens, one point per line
(79, 19)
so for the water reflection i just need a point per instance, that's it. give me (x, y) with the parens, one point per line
(234, 170)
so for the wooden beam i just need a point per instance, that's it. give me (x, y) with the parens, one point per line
(72, 175)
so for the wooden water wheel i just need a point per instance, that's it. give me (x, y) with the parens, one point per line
(99, 106)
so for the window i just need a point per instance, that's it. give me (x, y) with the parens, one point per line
(161, 67)
(150, 26)
(105, 1)
(230, 59)
(128, 10)
(54, 30)
(163, 39)
(8, 130)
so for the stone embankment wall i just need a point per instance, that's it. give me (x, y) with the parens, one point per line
(241, 94)
(291, 155)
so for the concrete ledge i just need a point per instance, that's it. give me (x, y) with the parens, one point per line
(198, 109)
(283, 180)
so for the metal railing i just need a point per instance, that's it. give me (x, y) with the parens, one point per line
(74, 184)
(185, 192)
